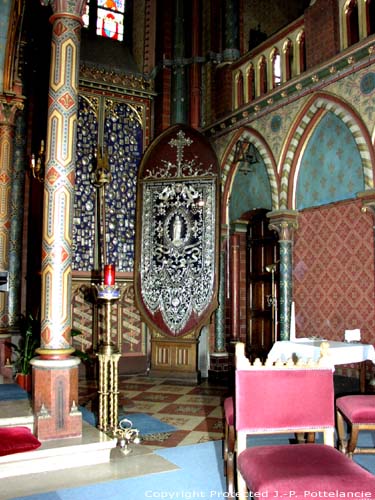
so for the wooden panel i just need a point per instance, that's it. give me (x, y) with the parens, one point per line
(262, 250)
(174, 359)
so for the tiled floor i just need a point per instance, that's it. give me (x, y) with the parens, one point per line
(195, 410)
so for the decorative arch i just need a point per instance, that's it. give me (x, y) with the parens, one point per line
(262, 72)
(287, 60)
(276, 76)
(239, 89)
(311, 112)
(229, 169)
(352, 22)
(250, 79)
(301, 53)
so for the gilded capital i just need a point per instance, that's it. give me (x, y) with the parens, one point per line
(368, 201)
(75, 8)
(284, 222)
(8, 110)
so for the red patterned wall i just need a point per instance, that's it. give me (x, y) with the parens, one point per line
(128, 332)
(333, 276)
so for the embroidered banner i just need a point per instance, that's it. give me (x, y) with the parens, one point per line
(177, 235)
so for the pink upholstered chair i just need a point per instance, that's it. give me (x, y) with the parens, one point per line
(270, 400)
(358, 412)
(229, 431)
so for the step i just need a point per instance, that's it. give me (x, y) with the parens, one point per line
(93, 447)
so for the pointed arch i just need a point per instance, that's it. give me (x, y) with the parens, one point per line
(300, 63)
(262, 72)
(250, 79)
(310, 115)
(275, 67)
(229, 168)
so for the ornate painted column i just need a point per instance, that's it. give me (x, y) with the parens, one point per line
(285, 223)
(55, 372)
(8, 111)
(9, 107)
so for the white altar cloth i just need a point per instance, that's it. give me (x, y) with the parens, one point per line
(341, 353)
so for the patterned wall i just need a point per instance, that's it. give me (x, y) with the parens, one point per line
(118, 126)
(322, 146)
(128, 332)
(250, 189)
(333, 276)
(331, 167)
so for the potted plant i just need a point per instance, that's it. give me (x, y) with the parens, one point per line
(24, 350)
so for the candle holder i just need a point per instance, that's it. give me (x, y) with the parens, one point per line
(108, 356)
(127, 434)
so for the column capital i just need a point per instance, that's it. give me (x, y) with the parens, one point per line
(9, 107)
(284, 222)
(66, 8)
(368, 201)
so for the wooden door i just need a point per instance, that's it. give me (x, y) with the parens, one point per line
(262, 256)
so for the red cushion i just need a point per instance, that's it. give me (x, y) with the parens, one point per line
(359, 409)
(16, 440)
(301, 468)
(229, 410)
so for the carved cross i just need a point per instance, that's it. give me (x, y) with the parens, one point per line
(180, 144)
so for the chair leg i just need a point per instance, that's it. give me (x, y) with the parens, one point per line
(241, 487)
(229, 443)
(225, 451)
(231, 488)
(353, 440)
(310, 437)
(341, 432)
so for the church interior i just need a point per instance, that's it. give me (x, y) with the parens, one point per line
(178, 178)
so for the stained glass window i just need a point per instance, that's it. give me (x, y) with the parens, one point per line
(108, 16)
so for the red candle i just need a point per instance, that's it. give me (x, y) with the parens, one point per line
(109, 275)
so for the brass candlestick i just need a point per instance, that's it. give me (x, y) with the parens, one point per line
(108, 356)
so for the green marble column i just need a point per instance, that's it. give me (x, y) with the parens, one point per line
(16, 220)
(220, 311)
(368, 204)
(285, 223)
(231, 36)
(179, 86)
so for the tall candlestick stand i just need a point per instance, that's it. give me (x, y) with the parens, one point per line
(108, 356)
(272, 300)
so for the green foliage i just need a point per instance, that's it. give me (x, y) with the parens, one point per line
(29, 341)
(80, 354)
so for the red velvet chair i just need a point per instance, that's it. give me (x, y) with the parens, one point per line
(229, 431)
(358, 412)
(291, 399)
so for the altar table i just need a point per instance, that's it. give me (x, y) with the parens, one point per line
(341, 353)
